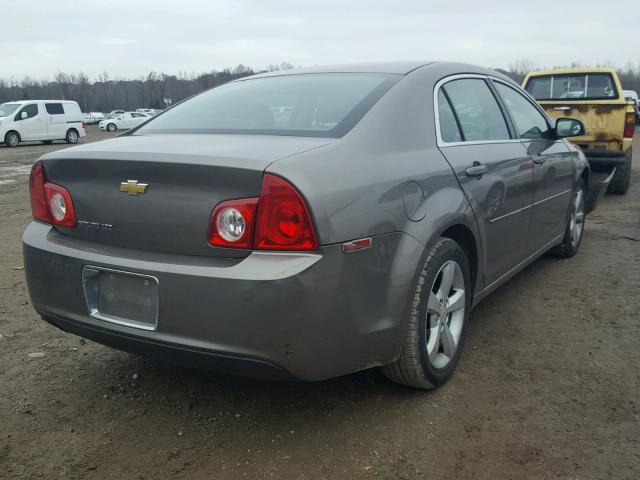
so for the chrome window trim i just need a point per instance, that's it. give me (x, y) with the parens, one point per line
(436, 105)
(436, 89)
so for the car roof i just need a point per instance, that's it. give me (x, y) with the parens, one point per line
(564, 71)
(22, 102)
(397, 68)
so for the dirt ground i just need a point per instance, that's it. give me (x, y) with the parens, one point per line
(548, 386)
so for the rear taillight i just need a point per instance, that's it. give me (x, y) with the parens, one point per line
(39, 208)
(50, 203)
(629, 125)
(277, 220)
(283, 221)
(232, 223)
(60, 205)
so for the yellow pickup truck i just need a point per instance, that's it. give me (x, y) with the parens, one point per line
(594, 96)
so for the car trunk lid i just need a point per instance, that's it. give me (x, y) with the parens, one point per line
(157, 192)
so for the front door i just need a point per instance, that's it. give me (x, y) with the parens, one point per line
(493, 169)
(33, 126)
(552, 168)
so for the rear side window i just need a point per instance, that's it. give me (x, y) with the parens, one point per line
(318, 105)
(530, 123)
(588, 86)
(449, 130)
(477, 110)
(31, 110)
(54, 108)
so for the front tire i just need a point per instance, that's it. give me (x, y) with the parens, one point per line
(622, 178)
(72, 136)
(111, 127)
(575, 226)
(12, 139)
(439, 312)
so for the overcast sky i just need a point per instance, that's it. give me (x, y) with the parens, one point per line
(131, 38)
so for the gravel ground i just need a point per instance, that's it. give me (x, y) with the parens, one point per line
(548, 386)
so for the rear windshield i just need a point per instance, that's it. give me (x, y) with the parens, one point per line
(587, 86)
(317, 105)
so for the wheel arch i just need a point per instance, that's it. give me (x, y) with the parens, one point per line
(10, 131)
(463, 236)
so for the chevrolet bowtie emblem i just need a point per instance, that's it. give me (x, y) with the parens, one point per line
(132, 187)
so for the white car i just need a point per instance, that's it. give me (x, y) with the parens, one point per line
(633, 95)
(97, 116)
(124, 121)
(115, 113)
(40, 120)
(148, 111)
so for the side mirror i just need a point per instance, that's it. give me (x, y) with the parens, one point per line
(23, 115)
(569, 127)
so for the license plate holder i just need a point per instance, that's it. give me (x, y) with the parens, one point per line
(121, 297)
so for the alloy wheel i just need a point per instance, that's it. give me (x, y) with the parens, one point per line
(13, 140)
(576, 221)
(445, 314)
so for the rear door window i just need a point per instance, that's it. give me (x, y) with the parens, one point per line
(477, 110)
(529, 122)
(54, 108)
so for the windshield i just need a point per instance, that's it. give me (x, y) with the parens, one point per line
(319, 105)
(7, 109)
(588, 86)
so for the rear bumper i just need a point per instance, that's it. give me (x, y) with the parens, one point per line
(306, 316)
(179, 354)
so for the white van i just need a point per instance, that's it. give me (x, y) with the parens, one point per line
(40, 120)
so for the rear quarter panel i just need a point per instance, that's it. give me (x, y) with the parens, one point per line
(386, 169)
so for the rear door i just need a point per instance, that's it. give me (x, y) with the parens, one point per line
(552, 167)
(492, 167)
(56, 120)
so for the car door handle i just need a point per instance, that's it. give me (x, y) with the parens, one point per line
(477, 170)
(539, 159)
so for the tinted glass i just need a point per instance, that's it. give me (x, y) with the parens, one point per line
(449, 130)
(478, 112)
(322, 105)
(54, 108)
(31, 109)
(591, 86)
(530, 123)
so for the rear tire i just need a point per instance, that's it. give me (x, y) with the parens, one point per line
(111, 127)
(12, 139)
(437, 320)
(72, 136)
(575, 226)
(620, 183)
